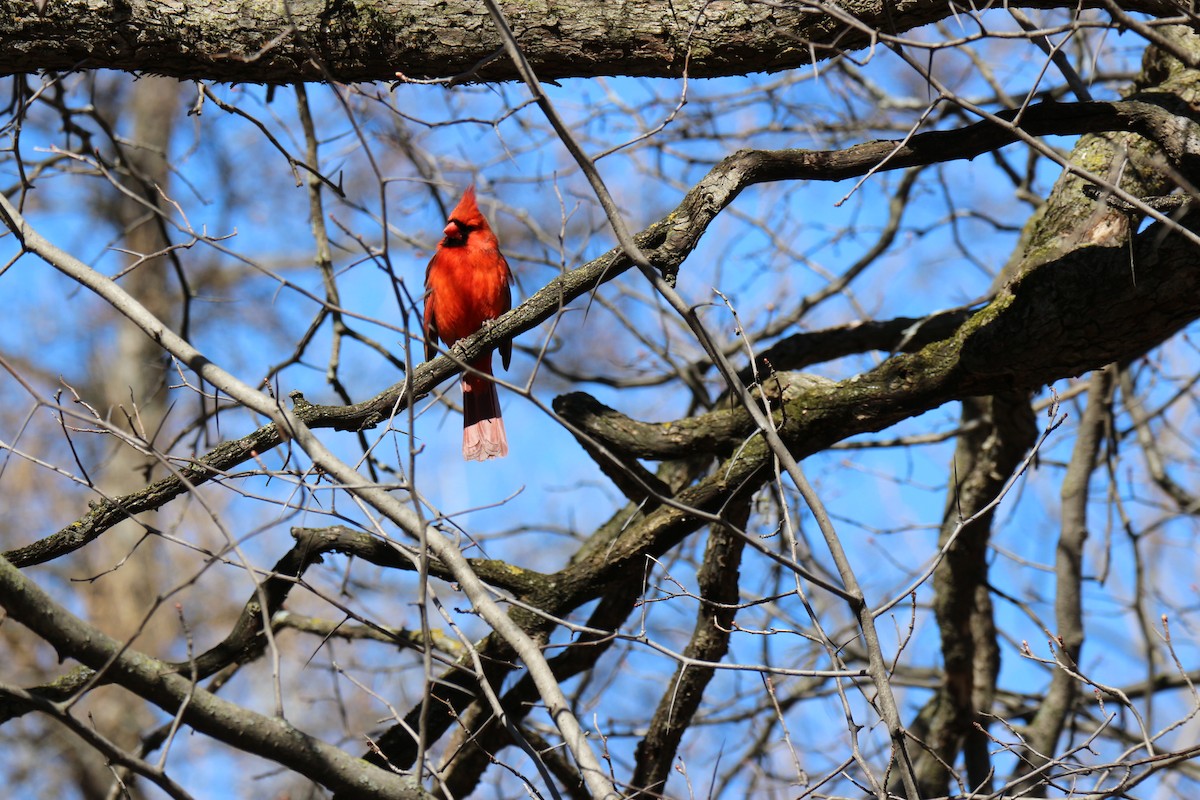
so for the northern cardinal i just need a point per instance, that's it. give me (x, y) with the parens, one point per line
(466, 284)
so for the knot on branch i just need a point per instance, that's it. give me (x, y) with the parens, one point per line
(779, 388)
(597, 426)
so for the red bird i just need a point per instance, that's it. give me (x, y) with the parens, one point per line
(466, 284)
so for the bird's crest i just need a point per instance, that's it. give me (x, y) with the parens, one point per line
(467, 211)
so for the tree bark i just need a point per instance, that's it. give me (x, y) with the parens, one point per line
(312, 40)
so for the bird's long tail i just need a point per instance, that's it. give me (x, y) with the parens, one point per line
(483, 429)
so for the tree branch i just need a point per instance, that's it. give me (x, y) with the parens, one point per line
(162, 685)
(313, 40)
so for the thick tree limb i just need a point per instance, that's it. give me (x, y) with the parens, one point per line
(311, 40)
